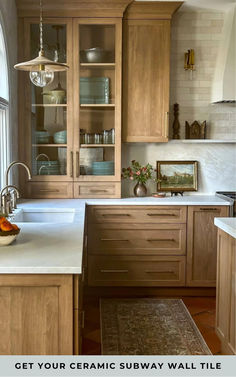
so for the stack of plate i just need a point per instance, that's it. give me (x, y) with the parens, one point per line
(60, 137)
(42, 137)
(103, 168)
(47, 167)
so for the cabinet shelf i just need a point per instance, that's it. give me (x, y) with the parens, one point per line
(49, 145)
(97, 105)
(97, 65)
(97, 145)
(49, 105)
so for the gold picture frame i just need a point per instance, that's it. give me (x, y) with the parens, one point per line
(177, 176)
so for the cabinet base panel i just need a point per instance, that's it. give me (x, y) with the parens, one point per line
(148, 291)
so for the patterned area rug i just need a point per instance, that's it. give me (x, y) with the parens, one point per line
(149, 327)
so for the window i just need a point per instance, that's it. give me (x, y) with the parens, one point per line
(4, 110)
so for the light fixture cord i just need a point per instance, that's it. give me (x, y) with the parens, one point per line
(41, 26)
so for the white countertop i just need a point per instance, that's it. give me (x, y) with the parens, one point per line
(58, 247)
(227, 224)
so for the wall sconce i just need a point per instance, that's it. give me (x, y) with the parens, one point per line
(189, 60)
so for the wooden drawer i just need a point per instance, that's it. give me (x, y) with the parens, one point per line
(136, 271)
(137, 214)
(152, 239)
(48, 190)
(97, 190)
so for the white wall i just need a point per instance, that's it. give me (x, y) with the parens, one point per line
(199, 29)
(8, 19)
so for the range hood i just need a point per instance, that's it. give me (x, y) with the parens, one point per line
(224, 81)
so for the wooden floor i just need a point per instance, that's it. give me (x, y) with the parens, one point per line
(202, 310)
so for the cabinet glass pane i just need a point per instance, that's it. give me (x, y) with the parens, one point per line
(97, 99)
(49, 106)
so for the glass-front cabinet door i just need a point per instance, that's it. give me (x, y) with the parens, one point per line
(97, 99)
(49, 115)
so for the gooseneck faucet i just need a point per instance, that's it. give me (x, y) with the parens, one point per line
(13, 164)
(8, 198)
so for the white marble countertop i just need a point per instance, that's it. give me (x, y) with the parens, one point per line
(58, 247)
(227, 224)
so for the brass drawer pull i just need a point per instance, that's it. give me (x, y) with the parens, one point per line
(93, 190)
(159, 272)
(209, 209)
(114, 271)
(49, 190)
(71, 165)
(161, 214)
(160, 239)
(77, 164)
(112, 239)
(115, 214)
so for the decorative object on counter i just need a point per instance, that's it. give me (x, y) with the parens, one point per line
(177, 176)
(189, 60)
(60, 137)
(94, 90)
(8, 231)
(176, 124)
(42, 137)
(138, 173)
(149, 326)
(87, 157)
(195, 130)
(41, 69)
(93, 55)
(103, 168)
(159, 194)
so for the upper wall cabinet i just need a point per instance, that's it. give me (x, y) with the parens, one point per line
(146, 71)
(70, 130)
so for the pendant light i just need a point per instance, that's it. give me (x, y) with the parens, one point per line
(41, 69)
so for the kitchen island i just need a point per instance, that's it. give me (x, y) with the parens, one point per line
(41, 274)
(226, 284)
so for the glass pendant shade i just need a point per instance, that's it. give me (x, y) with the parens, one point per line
(41, 78)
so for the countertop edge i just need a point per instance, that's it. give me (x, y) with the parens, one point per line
(221, 223)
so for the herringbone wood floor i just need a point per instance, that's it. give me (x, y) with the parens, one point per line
(202, 310)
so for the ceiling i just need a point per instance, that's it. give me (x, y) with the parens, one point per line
(221, 5)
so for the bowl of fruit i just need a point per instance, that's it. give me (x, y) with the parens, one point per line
(8, 231)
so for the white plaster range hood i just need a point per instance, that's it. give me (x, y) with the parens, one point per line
(224, 81)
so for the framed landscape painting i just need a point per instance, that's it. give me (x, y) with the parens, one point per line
(177, 176)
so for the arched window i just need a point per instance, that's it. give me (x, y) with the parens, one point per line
(4, 109)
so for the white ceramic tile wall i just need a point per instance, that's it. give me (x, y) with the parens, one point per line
(199, 29)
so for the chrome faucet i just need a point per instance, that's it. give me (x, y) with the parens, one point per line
(7, 203)
(13, 164)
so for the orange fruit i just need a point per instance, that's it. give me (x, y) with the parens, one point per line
(6, 226)
(2, 218)
(15, 227)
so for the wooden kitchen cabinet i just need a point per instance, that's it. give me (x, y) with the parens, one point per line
(90, 112)
(137, 246)
(40, 314)
(226, 292)
(146, 71)
(202, 244)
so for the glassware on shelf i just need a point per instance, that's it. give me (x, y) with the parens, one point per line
(88, 138)
(112, 136)
(105, 137)
(97, 138)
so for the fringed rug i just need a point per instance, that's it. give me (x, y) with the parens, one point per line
(149, 327)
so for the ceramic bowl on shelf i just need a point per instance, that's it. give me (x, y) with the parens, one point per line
(93, 55)
(42, 137)
(60, 137)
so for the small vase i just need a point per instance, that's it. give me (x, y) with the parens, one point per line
(140, 190)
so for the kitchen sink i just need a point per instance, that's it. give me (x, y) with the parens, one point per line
(43, 215)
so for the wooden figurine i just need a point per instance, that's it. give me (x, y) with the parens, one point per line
(195, 130)
(176, 124)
